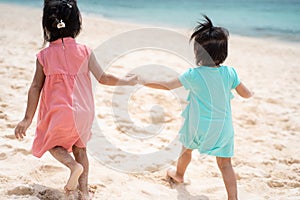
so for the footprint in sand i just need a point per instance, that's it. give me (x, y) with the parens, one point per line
(4, 179)
(152, 168)
(279, 147)
(4, 105)
(22, 151)
(3, 156)
(50, 168)
(38, 173)
(20, 191)
(275, 184)
(45, 193)
(273, 101)
(3, 116)
(114, 157)
(284, 119)
(296, 170)
(246, 121)
(290, 161)
(7, 146)
(10, 126)
(16, 87)
(52, 194)
(251, 122)
(101, 116)
(12, 137)
(293, 184)
(93, 188)
(164, 140)
(257, 140)
(216, 174)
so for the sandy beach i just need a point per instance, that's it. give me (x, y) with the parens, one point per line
(267, 126)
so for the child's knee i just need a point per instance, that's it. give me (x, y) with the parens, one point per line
(186, 151)
(78, 151)
(223, 162)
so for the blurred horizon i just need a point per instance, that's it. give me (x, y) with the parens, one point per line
(257, 18)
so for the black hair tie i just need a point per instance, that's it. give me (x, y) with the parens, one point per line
(67, 8)
(210, 30)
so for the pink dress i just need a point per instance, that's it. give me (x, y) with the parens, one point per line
(66, 109)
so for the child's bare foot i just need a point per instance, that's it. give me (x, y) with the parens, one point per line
(84, 196)
(74, 176)
(171, 173)
(71, 195)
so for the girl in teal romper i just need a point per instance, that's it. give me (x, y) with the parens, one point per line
(207, 123)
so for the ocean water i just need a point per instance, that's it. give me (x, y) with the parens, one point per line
(259, 18)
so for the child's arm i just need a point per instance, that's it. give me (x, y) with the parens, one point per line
(32, 102)
(163, 85)
(243, 91)
(108, 79)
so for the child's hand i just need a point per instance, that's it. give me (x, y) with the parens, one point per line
(132, 79)
(141, 81)
(20, 130)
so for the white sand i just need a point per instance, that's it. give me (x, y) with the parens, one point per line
(267, 126)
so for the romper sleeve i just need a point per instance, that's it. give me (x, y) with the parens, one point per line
(235, 79)
(186, 79)
(88, 51)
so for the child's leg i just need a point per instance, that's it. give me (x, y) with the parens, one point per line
(183, 161)
(228, 175)
(81, 157)
(65, 158)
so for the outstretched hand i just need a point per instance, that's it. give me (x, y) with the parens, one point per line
(132, 79)
(20, 130)
(141, 81)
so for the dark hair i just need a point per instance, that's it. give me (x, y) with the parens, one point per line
(210, 45)
(56, 11)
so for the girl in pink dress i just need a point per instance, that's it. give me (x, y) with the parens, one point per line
(62, 78)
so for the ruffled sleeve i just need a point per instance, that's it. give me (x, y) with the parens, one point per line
(40, 57)
(88, 51)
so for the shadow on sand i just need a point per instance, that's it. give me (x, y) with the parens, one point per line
(184, 194)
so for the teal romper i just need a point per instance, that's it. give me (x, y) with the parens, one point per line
(207, 117)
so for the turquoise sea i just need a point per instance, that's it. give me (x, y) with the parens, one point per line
(278, 19)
